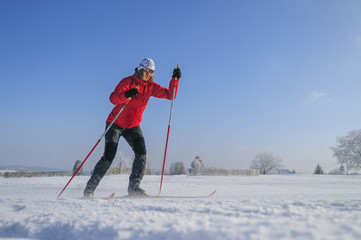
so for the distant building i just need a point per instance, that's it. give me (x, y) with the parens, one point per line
(284, 171)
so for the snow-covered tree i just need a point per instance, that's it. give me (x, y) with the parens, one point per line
(348, 150)
(197, 163)
(177, 168)
(76, 166)
(266, 163)
(318, 169)
(196, 166)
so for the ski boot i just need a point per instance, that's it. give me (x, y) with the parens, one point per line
(136, 192)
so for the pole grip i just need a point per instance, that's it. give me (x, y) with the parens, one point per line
(177, 68)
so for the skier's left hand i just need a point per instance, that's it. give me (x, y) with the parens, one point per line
(131, 93)
(177, 73)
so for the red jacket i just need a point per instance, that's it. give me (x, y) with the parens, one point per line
(132, 113)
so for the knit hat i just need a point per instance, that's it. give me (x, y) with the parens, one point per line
(147, 63)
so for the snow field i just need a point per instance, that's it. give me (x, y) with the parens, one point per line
(263, 207)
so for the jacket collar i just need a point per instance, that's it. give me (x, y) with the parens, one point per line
(134, 76)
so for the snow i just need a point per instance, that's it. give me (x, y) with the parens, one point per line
(263, 207)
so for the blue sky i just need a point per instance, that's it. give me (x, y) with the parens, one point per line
(258, 76)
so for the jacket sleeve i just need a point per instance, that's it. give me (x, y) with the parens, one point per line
(117, 96)
(167, 93)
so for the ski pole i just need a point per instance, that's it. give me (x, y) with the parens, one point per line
(120, 111)
(166, 143)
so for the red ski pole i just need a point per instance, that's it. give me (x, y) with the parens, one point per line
(166, 143)
(120, 111)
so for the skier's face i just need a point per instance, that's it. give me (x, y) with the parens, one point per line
(147, 74)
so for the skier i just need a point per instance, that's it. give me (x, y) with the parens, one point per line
(137, 89)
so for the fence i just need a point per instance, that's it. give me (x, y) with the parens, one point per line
(37, 174)
(222, 172)
(111, 171)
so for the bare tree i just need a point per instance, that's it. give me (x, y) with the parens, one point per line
(266, 163)
(348, 150)
(177, 168)
(76, 166)
(124, 162)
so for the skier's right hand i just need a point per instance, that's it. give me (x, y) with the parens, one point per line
(131, 93)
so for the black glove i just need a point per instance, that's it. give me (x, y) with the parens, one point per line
(177, 73)
(131, 93)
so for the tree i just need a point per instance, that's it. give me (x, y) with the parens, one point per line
(196, 166)
(266, 163)
(318, 170)
(348, 150)
(76, 166)
(342, 169)
(124, 162)
(177, 168)
(197, 163)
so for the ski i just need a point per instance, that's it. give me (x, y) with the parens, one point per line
(112, 196)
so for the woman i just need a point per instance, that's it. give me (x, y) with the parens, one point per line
(134, 91)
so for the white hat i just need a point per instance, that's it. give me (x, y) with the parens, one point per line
(147, 63)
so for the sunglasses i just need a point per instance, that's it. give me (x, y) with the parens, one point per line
(148, 70)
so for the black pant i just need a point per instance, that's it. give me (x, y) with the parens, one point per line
(135, 139)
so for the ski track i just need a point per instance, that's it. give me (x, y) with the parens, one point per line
(264, 207)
